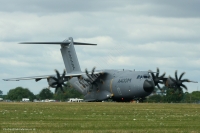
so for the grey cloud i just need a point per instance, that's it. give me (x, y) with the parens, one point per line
(51, 6)
(170, 8)
(130, 34)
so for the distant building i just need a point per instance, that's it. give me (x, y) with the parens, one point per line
(25, 100)
(75, 100)
(1, 99)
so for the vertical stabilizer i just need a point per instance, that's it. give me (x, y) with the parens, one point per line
(69, 57)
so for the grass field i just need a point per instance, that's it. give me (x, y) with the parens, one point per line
(99, 117)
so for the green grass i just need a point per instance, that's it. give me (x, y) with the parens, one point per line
(99, 117)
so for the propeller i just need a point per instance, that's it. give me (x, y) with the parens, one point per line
(59, 82)
(157, 78)
(178, 82)
(91, 77)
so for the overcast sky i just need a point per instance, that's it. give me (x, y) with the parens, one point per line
(140, 35)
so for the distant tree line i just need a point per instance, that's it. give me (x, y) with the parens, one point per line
(166, 95)
(1, 92)
(173, 95)
(18, 93)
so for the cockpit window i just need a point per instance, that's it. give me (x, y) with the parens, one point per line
(146, 76)
(143, 76)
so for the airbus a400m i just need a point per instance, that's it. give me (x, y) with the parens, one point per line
(119, 85)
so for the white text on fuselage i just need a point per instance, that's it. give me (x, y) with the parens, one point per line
(126, 80)
(70, 56)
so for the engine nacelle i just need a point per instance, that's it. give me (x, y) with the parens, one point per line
(51, 82)
(169, 83)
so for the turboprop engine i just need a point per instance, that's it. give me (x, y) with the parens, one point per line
(58, 81)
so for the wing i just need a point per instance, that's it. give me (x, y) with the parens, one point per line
(29, 78)
(37, 78)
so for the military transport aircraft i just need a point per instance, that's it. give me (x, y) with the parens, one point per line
(119, 85)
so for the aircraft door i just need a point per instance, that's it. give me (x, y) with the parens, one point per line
(119, 90)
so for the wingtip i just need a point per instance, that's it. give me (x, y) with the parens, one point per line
(194, 81)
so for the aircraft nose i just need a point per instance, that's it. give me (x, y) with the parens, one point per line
(148, 86)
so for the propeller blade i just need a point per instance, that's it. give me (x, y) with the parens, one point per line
(182, 85)
(153, 75)
(55, 79)
(86, 71)
(163, 75)
(193, 81)
(176, 75)
(158, 71)
(172, 79)
(181, 76)
(158, 86)
(57, 73)
(88, 75)
(63, 75)
(185, 80)
(61, 88)
(56, 89)
(93, 69)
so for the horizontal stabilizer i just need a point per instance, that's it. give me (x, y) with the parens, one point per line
(65, 43)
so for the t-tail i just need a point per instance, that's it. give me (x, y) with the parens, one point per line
(68, 53)
(69, 57)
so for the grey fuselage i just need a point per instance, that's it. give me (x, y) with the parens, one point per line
(120, 85)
